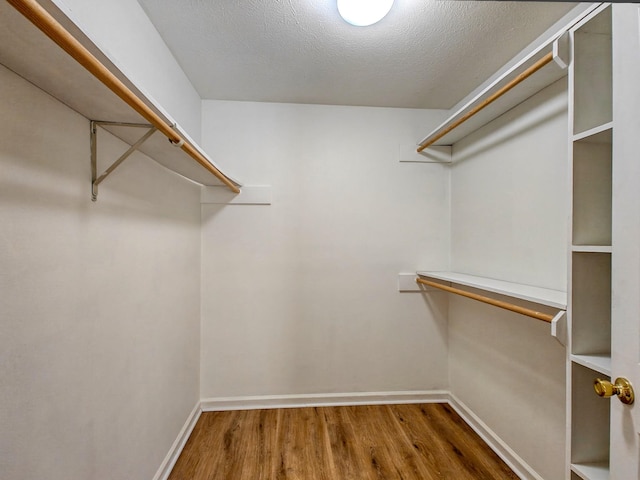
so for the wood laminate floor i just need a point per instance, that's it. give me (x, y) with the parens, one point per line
(408, 442)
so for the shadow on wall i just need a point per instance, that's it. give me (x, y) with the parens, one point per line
(139, 191)
(45, 163)
(550, 103)
(437, 303)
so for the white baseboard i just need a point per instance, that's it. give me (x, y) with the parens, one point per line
(515, 462)
(176, 449)
(322, 400)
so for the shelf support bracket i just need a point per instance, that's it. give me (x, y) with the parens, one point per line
(559, 328)
(97, 180)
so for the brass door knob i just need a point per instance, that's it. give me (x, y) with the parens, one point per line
(622, 388)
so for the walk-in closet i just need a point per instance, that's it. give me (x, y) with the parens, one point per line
(269, 240)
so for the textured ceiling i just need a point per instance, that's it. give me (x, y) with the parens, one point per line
(424, 54)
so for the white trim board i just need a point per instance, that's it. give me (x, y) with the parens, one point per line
(176, 449)
(513, 460)
(322, 400)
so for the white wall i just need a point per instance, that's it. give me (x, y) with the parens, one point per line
(300, 296)
(510, 197)
(122, 30)
(99, 302)
(509, 221)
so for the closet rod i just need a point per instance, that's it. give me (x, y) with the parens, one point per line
(496, 303)
(520, 78)
(37, 15)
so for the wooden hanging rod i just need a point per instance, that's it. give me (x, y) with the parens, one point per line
(37, 15)
(548, 58)
(496, 303)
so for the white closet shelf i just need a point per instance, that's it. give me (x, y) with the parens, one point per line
(28, 52)
(487, 109)
(591, 471)
(600, 134)
(541, 296)
(599, 362)
(591, 248)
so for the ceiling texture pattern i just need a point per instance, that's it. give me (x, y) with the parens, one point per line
(423, 54)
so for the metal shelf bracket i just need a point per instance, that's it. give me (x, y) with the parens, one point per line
(97, 180)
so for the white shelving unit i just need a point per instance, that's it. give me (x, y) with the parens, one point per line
(589, 309)
(553, 302)
(550, 73)
(588, 296)
(27, 51)
(540, 296)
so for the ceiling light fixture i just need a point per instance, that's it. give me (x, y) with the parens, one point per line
(363, 13)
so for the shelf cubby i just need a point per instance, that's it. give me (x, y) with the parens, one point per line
(591, 303)
(590, 440)
(592, 188)
(593, 73)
